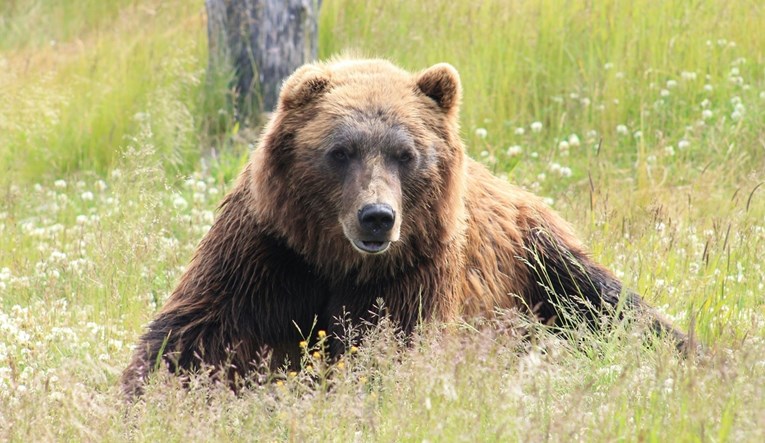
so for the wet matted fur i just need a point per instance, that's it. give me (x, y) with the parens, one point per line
(288, 250)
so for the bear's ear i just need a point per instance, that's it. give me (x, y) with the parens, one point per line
(441, 82)
(304, 86)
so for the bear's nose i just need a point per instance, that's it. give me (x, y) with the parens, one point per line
(377, 218)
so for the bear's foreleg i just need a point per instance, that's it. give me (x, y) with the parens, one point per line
(567, 286)
(183, 343)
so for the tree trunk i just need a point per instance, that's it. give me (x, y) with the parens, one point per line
(262, 41)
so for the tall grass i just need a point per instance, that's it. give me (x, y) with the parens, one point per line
(575, 66)
(642, 122)
(75, 93)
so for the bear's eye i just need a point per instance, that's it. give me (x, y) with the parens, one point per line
(339, 154)
(406, 157)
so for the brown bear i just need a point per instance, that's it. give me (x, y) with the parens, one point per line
(359, 191)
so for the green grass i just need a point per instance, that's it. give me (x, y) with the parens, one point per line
(107, 124)
(77, 101)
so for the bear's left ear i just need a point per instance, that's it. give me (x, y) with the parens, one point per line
(441, 82)
(306, 84)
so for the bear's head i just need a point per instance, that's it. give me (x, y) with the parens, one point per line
(362, 164)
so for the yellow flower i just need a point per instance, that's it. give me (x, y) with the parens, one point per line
(292, 374)
(316, 355)
(340, 365)
(354, 349)
(279, 383)
(322, 333)
(303, 344)
(362, 379)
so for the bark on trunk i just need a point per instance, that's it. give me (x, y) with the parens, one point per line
(263, 41)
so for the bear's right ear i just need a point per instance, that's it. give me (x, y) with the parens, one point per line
(441, 82)
(304, 86)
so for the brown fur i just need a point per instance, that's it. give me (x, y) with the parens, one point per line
(280, 255)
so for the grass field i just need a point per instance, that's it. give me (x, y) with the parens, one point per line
(642, 122)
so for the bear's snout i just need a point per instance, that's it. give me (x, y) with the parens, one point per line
(377, 220)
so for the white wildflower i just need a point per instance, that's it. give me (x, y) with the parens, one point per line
(180, 203)
(60, 184)
(481, 132)
(671, 84)
(519, 131)
(86, 196)
(574, 141)
(208, 216)
(706, 114)
(669, 150)
(536, 126)
(683, 144)
(664, 93)
(669, 385)
(622, 130)
(514, 151)
(57, 256)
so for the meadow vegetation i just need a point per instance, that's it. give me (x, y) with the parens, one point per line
(642, 122)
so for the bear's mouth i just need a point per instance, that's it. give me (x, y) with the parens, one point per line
(371, 246)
